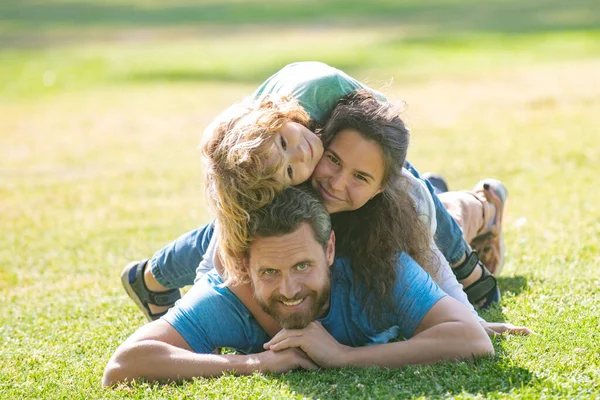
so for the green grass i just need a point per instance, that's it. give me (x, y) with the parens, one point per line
(98, 167)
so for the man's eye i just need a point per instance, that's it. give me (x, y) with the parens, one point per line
(302, 267)
(283, 144)
(289, 171)
(269, 272)
(333, 159)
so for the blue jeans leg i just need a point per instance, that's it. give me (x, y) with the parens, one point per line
(448, 235)
(174, 266)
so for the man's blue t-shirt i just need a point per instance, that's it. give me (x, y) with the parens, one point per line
(210, 316)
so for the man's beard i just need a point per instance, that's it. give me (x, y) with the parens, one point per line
(315, 302)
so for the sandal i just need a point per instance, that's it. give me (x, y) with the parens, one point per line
(132, 279)
(484, 292)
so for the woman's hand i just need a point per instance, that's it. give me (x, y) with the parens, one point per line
(494, 329)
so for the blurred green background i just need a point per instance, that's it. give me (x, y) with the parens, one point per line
(102, 105)
(78, 44)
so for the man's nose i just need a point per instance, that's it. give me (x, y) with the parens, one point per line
(289, 287)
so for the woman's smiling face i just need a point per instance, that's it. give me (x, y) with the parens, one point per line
(350, 173)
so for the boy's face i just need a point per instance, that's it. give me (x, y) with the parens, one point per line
(299, 149)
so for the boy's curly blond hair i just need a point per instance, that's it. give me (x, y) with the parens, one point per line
(238, 178)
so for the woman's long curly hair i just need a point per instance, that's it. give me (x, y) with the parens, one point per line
(375, 235)
(239, 179)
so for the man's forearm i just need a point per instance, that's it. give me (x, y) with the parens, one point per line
(446, 341)
(155, 360)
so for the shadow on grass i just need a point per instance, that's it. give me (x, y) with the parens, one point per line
(484, 376)
(432, 17)
(509, 284)
(481, 377)
(513, 284)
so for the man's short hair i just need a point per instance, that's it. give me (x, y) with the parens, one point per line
(289, 209)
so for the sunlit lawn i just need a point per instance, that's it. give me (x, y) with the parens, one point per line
(102, 106)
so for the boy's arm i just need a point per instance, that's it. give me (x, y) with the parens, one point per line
(157, 351)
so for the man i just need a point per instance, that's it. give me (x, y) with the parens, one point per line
(295, 278)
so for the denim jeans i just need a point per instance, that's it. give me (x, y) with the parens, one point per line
(174, 266)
